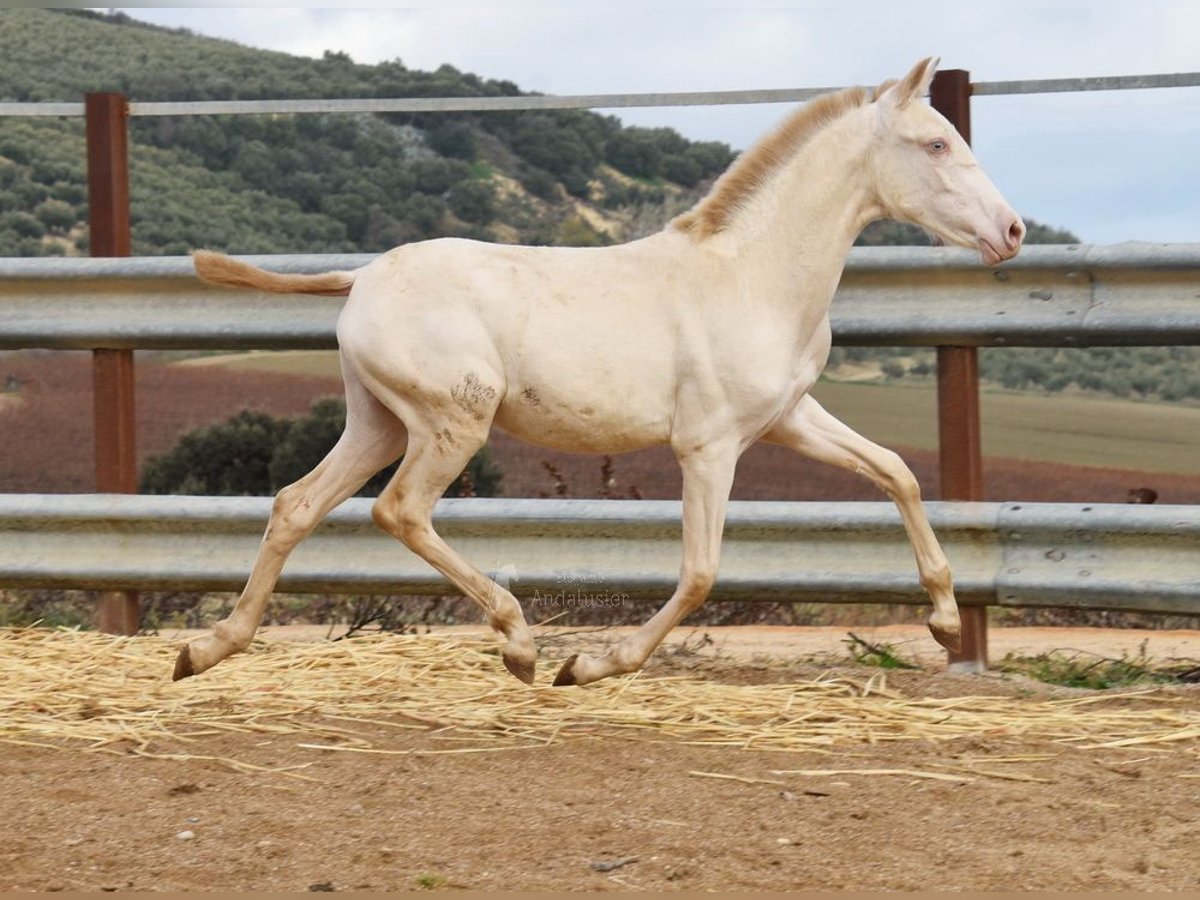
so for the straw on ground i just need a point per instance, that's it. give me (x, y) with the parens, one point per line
(61, 688)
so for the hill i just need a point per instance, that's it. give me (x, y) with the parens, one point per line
(315, 183)
(323, 183)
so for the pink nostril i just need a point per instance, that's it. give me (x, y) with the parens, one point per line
(1016, 234)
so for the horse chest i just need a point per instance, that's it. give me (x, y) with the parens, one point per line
(779, 365)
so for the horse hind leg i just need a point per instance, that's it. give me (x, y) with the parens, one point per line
(373, 438)
(405, 510)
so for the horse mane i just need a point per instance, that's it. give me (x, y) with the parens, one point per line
(753, 168)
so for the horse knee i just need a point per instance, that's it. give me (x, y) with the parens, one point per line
(292, 514)
(897, 479)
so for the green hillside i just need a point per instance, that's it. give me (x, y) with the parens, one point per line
(259, 184)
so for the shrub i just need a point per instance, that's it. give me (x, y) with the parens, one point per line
(254, 454)
(472, 201)
(23, 224)
(229, 459)
(453, 139)
(56, 215)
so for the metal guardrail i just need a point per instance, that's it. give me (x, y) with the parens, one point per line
(1132, 294)
(579, 101)
(573, 552)
(1050, 295)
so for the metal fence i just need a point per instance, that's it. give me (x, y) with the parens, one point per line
(604, 552)
(1060, 296)
(1136, 294)
(516, 103)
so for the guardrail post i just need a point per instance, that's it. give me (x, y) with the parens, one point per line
(960, 448)
(118, 612)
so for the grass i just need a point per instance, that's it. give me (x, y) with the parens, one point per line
(883, 656)
(1067, 668)
(1080, 669)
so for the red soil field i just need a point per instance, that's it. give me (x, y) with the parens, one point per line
(46, 443)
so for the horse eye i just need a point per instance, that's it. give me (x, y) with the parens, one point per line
(938, 146)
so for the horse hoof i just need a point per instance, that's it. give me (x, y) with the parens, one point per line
(566, 675)
(183, 665)
(522, 669)
(950, 639)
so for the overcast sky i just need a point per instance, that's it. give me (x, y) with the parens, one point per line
(1110, 166)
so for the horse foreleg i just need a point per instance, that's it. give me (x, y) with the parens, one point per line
(707, 478)
(373, 438)
(810, 430)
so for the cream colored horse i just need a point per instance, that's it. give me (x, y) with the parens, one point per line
(706, 336)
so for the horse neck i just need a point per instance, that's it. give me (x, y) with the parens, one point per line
(798, 227)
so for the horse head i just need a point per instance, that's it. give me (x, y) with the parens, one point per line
(925, 173)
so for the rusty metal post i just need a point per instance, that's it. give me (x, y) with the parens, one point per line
(118, 612)
(960, 447)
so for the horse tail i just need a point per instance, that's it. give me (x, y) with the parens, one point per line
(217, 268)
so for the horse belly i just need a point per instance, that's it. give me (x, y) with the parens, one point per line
(585, 410)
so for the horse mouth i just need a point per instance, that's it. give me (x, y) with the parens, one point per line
(991, 256)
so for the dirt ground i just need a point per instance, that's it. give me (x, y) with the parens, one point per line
(613, 814)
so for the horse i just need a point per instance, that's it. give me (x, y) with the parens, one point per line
(706, 336)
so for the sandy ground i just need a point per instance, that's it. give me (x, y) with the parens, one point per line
(614, 814)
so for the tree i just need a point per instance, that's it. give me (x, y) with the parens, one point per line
(542, 141)
(635, 151)
(682, 169)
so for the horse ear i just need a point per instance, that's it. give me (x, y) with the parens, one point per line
(915, 84)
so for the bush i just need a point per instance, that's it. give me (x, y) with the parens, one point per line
(69, 192)
(436, 176)
(544, 143)
(453, 139)
(23, 224)
(306, 442)
(635, 151)
(539, 183)
(56, 215)
(472, 201)
(229, 459)
(254, 454)
(682, 169)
